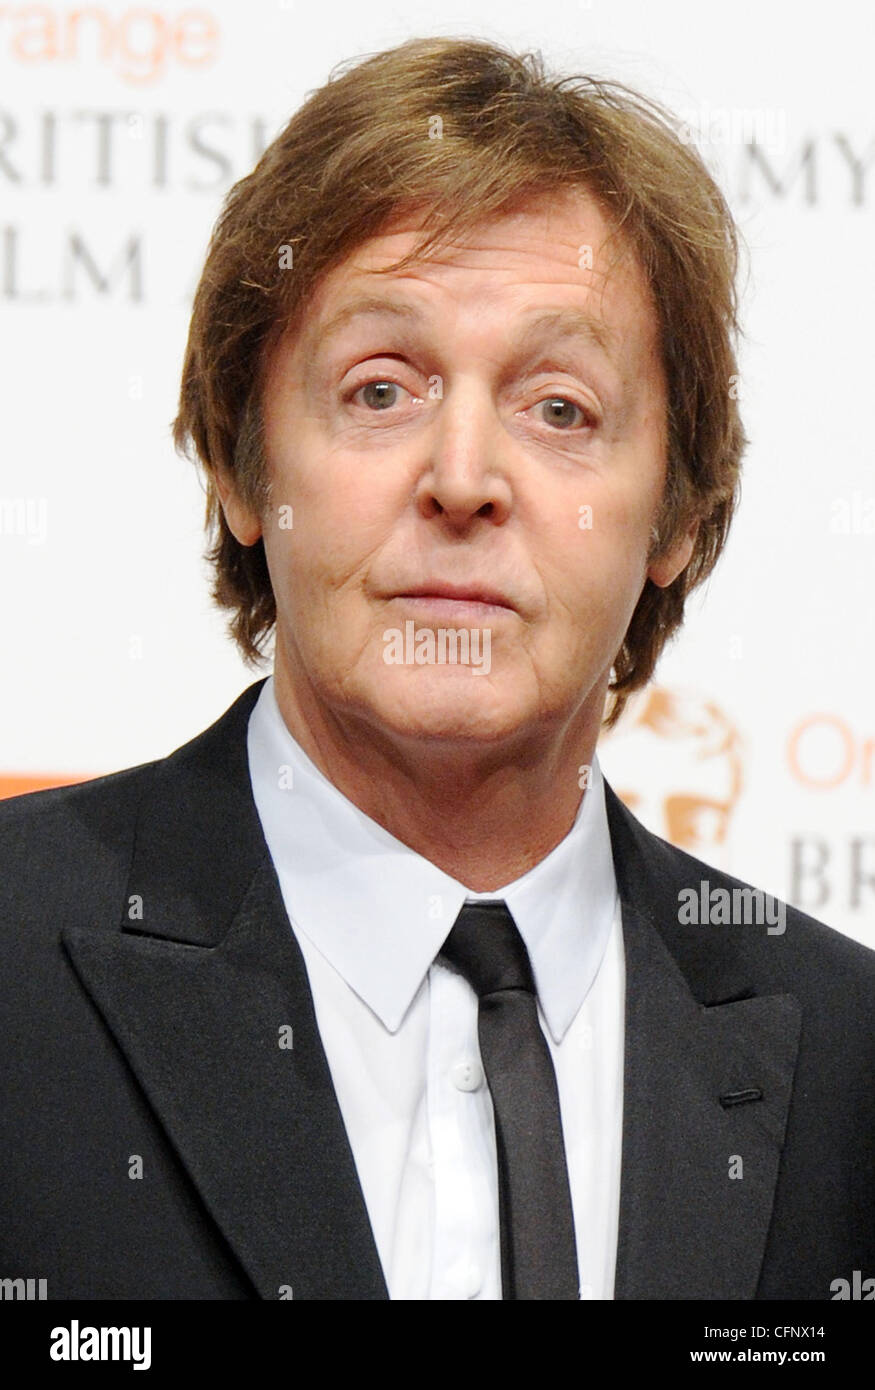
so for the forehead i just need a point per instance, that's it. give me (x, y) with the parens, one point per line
(557, 252)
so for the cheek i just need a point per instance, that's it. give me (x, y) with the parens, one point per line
(334, 485)
(597, 564)
(319, 570)
(339, 514)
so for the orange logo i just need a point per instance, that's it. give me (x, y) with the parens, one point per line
(138, 44)
(823, 752)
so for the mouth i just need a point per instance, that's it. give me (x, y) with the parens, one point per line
(456, 598)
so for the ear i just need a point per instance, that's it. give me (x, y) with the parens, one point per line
(665, 568)
(242, 521)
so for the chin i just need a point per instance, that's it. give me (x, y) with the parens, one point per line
(454, 706)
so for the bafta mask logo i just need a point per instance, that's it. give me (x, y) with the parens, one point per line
(675, 759)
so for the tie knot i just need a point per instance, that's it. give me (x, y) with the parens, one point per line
(485, 946)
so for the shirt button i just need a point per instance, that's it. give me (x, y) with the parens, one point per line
(473, 1281)
(467, 1076)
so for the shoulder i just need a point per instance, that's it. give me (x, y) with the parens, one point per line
(729, 934)
(72, 845)
(91, 807)
(59, 844)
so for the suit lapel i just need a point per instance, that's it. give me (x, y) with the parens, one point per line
(201, 983)
(707, 1082)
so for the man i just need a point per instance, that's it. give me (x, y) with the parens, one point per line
(375, 988)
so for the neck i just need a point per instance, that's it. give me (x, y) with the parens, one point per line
(484, 816)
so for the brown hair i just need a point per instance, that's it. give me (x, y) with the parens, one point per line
(361, 150)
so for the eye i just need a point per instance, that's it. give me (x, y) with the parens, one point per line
(563, 413)
(378, 394)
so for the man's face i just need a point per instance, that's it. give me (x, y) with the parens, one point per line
(476, 443)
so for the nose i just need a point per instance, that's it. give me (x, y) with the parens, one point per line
(466, 475)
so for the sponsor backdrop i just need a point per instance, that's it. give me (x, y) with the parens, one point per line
(122, 126)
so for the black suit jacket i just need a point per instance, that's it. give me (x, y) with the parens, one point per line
(148, 966)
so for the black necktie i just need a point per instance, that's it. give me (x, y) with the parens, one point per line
(538, 1252)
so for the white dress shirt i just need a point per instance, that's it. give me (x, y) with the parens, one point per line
(400, 1031)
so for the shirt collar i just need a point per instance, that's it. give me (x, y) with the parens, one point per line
(379, 912)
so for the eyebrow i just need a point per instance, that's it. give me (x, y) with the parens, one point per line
(570, 323)
(365, 306)
(551, 323)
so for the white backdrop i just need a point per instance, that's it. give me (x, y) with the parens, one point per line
(119, 135)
